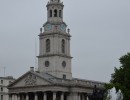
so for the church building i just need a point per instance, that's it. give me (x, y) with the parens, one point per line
(53, 80)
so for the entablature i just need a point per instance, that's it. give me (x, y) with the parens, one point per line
(51, 55)
(56, 34)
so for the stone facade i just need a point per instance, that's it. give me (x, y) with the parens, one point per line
(53, 80)
(42, 86)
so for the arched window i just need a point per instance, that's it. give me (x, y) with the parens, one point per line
(55, 13)
(60, 14)
(48, 45)
(63, 46)
(50, 13)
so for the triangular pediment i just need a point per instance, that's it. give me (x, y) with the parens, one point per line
(31, 79)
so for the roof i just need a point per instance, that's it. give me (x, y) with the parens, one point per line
(8, 77)
(63, 82)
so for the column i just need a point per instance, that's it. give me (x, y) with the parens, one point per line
(74, 96)
(18, 96)
(54, 95)
(62, 96)
(45, 96)
(13, 98)
(83, 97)
(27, 96)
(69, 97)
(79, 98)
(36, 96)
(87, 98)
(23, 97)
(10, 97)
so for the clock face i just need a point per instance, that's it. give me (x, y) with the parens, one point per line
(48, 27)
(62, 27)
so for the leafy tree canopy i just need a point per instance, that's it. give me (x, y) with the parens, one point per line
(120, 79)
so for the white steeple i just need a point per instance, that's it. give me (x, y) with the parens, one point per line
(55, 11)
(54, 56)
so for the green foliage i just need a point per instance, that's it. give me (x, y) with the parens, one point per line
(121, 77)
(109, 86)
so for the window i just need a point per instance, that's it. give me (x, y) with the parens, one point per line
(1, 81)
(1, 89)
(1, 97)
(64, 64)
(48, 45)
(63, 46)
(60, 14)
(64, 76)
(50, 13)
(47, 63)
(55, 13)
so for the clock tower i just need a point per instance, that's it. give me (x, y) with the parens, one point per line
(54, 53)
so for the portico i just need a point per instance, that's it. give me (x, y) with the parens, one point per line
(48, 95)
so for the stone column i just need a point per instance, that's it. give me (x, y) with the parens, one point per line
(36, 96)
(45, 96)
(62, 96)
(79, 98)
(87, 98)
(54, 95)
(69, 96)
(13, 97)
(10, 97)
(74, 96)
(83, 97)
(27, 96)
(22, 97)
(18, 96)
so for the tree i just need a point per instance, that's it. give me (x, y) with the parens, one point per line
(120, 79)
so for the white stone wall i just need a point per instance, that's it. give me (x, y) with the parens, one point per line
(55, 68)
(55, 45)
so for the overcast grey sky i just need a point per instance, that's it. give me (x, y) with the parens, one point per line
(100, 32)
